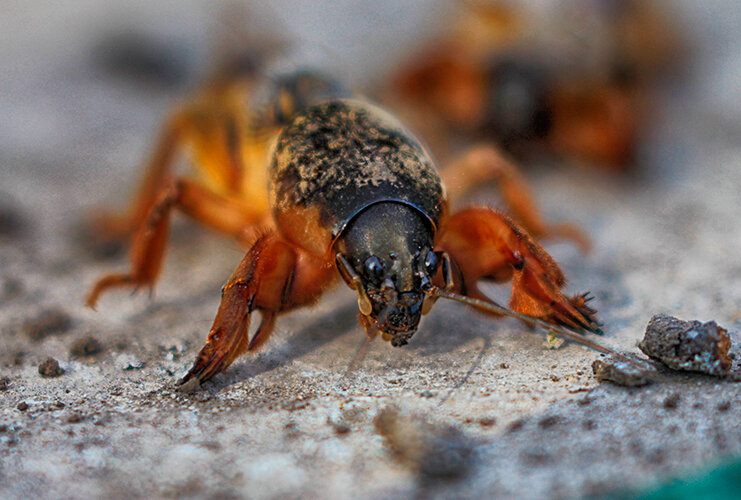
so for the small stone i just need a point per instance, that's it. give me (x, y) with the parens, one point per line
(50, 368)
(128, 362)
(22, 406)
(688, 345)
(4, 383)
(622, 373)
(503, 366)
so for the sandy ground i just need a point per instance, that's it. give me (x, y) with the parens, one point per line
(286, 423)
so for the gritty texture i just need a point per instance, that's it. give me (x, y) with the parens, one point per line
(688, 345)
(343, 155)
(75, 138)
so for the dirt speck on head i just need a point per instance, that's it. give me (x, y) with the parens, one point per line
(432, 450)
(50, 368)
(610, 369)
(47, 323)
(688, 345)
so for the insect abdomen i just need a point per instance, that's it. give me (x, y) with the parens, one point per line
(337, 158)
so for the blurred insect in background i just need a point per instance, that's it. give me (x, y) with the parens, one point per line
(318, 186)
(575, 80)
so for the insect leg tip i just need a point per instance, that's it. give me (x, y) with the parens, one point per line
(188, 384)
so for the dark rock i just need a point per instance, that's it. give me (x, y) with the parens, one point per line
(50, 368)
(688, 345)
(609, 369)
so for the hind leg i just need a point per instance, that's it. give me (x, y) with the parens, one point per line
(485, 164)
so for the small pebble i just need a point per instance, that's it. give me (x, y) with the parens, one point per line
(688, 345)
(128, 362)
(609, 369)
(22, 406)
(50, 368)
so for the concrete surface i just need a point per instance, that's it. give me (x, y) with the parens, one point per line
(285, 423)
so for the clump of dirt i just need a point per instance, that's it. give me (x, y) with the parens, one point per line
(688, 345)
(50, 368)
(86, 346)
(611, 369)
(432, 450)
(672, 402)
(4, 384)
(49, 322)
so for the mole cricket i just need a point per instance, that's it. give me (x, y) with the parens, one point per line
(318, 185)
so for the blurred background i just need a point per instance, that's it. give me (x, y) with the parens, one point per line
(104, 74)
(625, 116)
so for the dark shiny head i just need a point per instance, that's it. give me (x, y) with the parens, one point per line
(388, 247)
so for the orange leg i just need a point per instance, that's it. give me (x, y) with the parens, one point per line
(485, 164)
(147, 254)
(212, 128)
(158, 174)
(485, 244)
(273, 277)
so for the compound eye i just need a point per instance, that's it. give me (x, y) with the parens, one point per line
(431, 263)
(374, 268)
